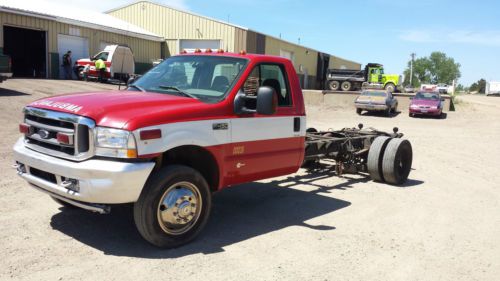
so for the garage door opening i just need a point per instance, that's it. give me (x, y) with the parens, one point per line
(27, 48)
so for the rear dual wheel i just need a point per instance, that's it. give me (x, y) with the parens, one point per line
(389, 160)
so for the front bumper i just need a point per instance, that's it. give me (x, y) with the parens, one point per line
(4, 76)
(98, 181)
(425, 111)
(371, 106)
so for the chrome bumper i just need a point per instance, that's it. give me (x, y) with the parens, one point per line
(96, 181)
(367, 106)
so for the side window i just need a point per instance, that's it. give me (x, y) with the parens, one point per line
(271, 75)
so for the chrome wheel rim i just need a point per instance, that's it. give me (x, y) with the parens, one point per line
(179, 208)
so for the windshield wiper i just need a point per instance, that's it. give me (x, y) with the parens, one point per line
(177, 90)
(137, 87)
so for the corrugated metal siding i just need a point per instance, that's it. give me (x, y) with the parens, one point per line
(173, 24)
(302, 55)
(144, 50)
(340, 63)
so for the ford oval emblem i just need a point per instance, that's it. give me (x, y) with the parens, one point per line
(43, 134)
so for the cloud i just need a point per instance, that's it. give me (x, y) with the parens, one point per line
(485, 38)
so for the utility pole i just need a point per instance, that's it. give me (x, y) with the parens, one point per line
(411, 67)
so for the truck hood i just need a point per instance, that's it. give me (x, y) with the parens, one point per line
(129, 109)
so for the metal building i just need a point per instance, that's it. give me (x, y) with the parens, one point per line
(184, 30)
(36, 34)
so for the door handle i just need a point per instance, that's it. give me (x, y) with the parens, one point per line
(296, 124)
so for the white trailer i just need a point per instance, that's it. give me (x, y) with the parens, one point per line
(492, 88)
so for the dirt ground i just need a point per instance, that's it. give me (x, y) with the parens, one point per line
(444, 224)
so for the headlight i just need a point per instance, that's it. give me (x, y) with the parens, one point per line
(115, 143)
(413, 106)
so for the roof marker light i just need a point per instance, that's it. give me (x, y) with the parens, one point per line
(208, 50)
(220, 51)
(243, 52)
(197, 51)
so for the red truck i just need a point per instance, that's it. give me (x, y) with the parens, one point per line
(191, 126)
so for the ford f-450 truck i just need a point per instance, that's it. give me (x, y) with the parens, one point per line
(191, 126)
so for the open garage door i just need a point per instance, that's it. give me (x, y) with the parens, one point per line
(28, 50)
(79, 47)
(191, 45)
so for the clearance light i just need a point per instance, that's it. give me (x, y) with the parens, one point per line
(150, 134)
(184, 52)
(243, 52)
(208, 50)
(197, 51)
(220, 51)
(24, 128)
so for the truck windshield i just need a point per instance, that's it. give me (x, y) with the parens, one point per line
(207, 78)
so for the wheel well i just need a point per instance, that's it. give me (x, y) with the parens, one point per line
(197, 158)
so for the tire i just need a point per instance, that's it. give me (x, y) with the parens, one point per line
(359, 111)
(410, 115)
(388, 112)
(346, 86)
(78, 72)
(390, 87)
(396, 164)
(375, 156)
(64, 204)
(167, 193)
(334, 85)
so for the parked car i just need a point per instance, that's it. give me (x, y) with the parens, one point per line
(409, 89)
(442, 88)
(426, 103)
(5, 67)
(376, 100)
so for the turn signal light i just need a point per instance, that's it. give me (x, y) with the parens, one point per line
(24, 128)
(150, 134)
(63, 138)
(131, 153)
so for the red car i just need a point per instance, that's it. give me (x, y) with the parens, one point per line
(427, 103)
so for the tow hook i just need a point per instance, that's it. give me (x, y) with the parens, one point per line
(21, 168)
(71, 184)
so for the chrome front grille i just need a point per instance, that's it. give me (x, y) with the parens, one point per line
(46, 124)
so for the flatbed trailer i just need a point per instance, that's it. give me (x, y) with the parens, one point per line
(385, 156)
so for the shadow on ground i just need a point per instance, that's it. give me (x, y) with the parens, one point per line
(238, 214)
(380, 114)
(11, 93)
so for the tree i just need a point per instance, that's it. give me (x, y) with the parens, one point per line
(479, 86)
(437, 68)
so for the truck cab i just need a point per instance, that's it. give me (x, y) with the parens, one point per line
(193, 125)
(119, 61)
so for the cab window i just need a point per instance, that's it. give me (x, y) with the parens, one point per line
(102, 55)
(271, 75)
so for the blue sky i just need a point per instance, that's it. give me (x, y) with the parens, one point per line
(384, 31)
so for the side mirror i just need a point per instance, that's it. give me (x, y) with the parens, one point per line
(265, 102)
(131, 80)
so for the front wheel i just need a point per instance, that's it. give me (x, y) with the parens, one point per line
(174, 206)
(390, 87)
